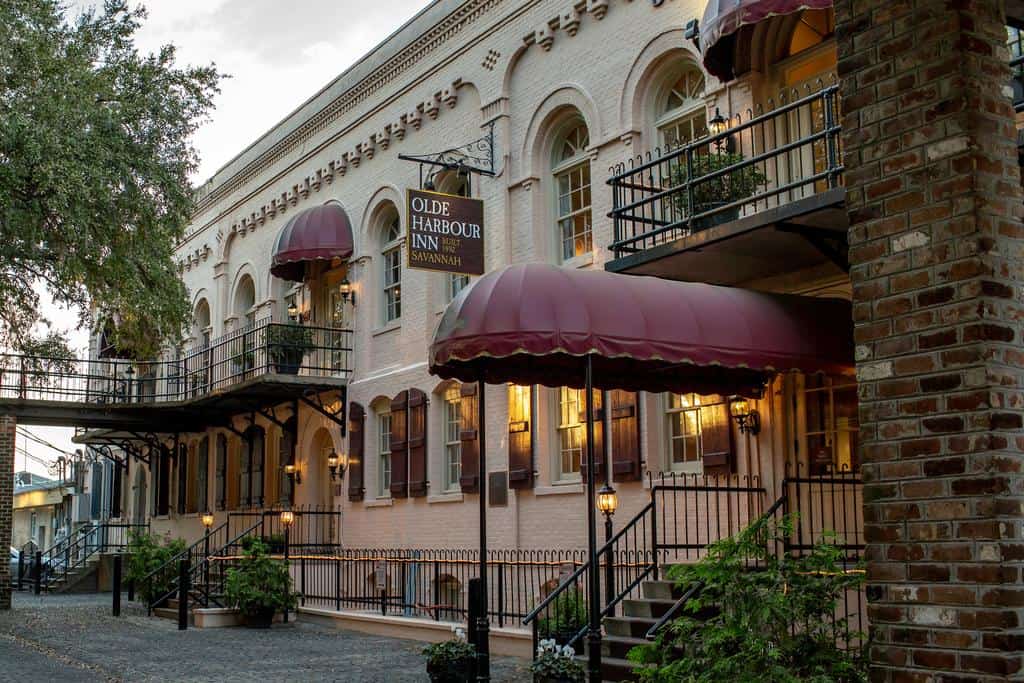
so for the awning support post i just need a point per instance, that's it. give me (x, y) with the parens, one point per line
(594, 597)
(483, 657)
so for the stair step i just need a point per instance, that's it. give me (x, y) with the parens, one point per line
(613, 668)
(648, 608)
(619, 646)
(661, 590)
(635, 627)
(172, 614)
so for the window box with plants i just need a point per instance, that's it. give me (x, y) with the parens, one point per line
(259, 587)
(451, 661)
(711, 194)
(287, 345)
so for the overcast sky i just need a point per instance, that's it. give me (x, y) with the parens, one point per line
(277, 54)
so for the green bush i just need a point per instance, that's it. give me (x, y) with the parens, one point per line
(259, 583)
(556, 663)
(774, 623)
(450, 660)
(729, 187)
(148, 553)
(287, 344)
(565, 616)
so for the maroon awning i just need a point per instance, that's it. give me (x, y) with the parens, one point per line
(535, 324)
(320, 233)
(724, 18)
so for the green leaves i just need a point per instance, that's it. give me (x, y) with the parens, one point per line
(259, 582)
(759, 615)
(95, 154)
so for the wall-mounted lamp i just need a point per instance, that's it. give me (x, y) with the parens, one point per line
(748, 419)
(337, 464)
(292, 471)
(347, 293)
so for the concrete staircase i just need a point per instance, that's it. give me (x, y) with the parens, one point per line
(81, 579)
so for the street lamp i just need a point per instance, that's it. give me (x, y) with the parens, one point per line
(337, 465)
(287, 519)
(207, 519)
(607, 502)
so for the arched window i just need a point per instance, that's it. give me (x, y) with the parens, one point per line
(201, 323)
(681, 114)
(245, 300)
(571, 170)
(391, 257)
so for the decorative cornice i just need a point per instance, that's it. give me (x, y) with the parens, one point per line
(412, 54)
(567, 20)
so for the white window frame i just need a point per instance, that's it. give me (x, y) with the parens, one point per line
(455, 283)
(566, 168)
(687, 466)
(451, 415)
(384, 455)
(567, 426)
(832, 429)
(692, 107)
(391, 263)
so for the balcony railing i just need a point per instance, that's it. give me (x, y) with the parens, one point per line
(768, 158)
(263, 348)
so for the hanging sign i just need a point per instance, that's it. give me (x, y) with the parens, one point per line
(446, 233)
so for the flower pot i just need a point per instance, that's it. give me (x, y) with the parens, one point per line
(287, 368)
(262, 618)
(715, 218)
(454, 672)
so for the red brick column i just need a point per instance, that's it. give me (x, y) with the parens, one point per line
(936, 247)
(7, 427)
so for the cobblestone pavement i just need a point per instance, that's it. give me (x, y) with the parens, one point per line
(74, 638)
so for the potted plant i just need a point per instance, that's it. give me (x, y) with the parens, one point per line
(259, 587)
(451, 661)
(146, 554)
(287, 345)
(556, 664)
(712, 193)
(565, 617)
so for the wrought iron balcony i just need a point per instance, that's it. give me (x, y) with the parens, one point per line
(772, 157)
(261, 351)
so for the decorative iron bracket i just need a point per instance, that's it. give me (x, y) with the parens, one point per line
(473, 157)
(337, 417)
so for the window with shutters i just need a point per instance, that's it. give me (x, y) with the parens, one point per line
(383, 455)
(570, 433)
(202, 500)
(831, 427)
(452, 465)
(221, 477)
(682, 412)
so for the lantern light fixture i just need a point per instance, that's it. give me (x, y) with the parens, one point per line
(337, 464)
(293, 309)
(287, 518)
(207, 519)
(748, 419)
(292, 471)
(347, 293)
(607, 500)
(717, 125)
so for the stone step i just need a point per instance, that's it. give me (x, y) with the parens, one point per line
(613, 668)
(649, 608)
(172, 614)
(660, 590)
(634, 627)
(619, 646)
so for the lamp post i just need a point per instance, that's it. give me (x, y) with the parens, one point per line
(207, 523)
(287, 519)
(483, 644)
(594, 597)
(607, 502)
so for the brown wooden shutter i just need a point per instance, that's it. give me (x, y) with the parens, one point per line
(400, 445)
(417, 443)
(716, 439)
(520, 438)
(599, 451)
(356, 451)
(625, 409)
(469, 437)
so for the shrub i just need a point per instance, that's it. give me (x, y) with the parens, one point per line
(451, 660)
(565, 616)
(148, 553)
(724, 189)
(556, 663)
(777, 622)
(259, 583)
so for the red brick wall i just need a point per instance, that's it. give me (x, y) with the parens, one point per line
(936, 240)
(7, 427)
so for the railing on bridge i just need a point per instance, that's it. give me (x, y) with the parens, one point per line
(256, 350)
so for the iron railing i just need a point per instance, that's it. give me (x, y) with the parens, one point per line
(256, 350)
(774, 155)
(69, 554)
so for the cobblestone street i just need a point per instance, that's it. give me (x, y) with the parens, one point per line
(74, 638)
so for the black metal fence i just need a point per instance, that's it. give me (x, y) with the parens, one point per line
(56, 563)
(765, 158)
(259, 349)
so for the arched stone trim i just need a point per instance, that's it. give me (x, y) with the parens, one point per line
(246, 269)
(510, 67)
(564, 102)
(644, 74)
(370, 221)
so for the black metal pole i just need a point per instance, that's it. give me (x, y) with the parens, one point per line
(116, 587)
(21, 569)
(609, 566)
(37, 577)
(287, 538)
(483, 658)
(183, 588)
(594, 598)
(206, 566)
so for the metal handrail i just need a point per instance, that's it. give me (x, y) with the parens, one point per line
(173, 562)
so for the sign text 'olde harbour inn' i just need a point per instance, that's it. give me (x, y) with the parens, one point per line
(445, 233)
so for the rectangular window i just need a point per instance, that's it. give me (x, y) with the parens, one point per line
(574, 225)
(202, 501)
(570, 432)
(452, 443)
(684, 129)
(384, 455)
(683, 414)
(222, 471)
(830, 409)
(392, 284)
